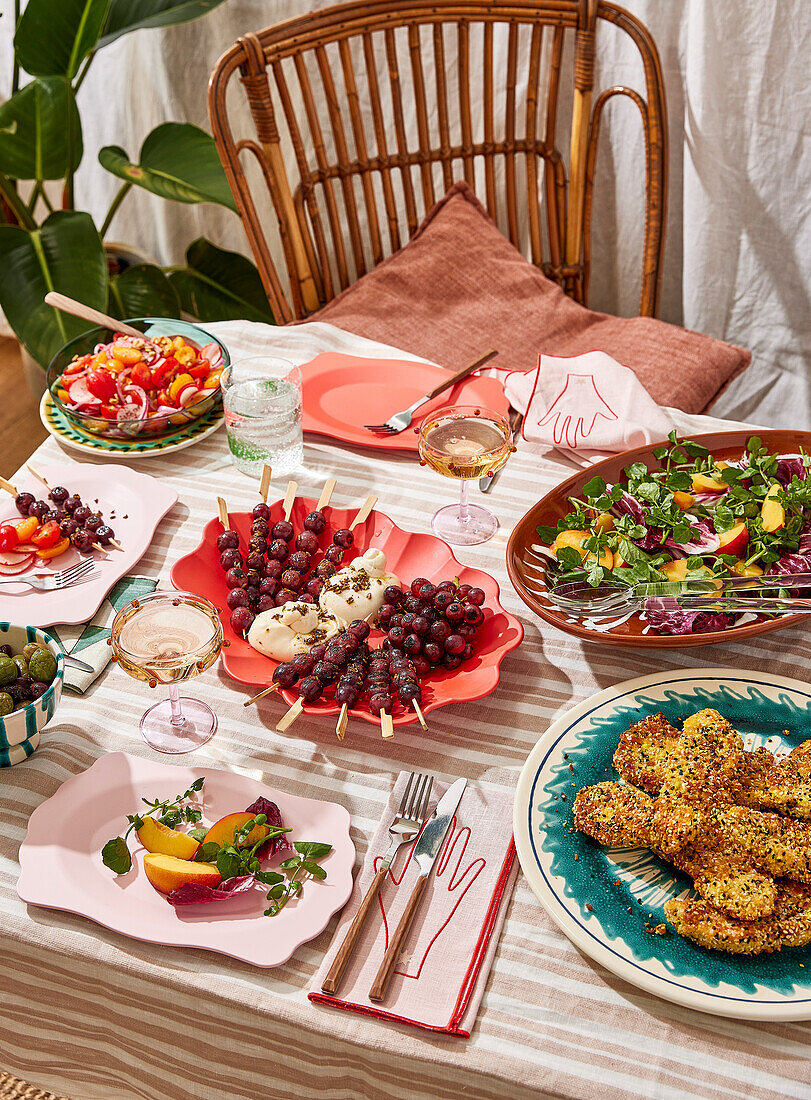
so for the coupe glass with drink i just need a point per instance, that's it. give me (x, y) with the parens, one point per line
(467, 443)
(262, 401)
(164, 638)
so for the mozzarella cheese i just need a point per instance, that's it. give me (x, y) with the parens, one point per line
(293, 628)
(356, 592)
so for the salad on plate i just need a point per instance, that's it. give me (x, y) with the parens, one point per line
(692, 518)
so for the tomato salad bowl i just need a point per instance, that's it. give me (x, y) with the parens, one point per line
(118, 387)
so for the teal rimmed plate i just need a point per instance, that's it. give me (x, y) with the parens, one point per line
(70, 435)
(588, 890)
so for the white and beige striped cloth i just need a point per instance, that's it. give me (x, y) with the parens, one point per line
(91, 1014)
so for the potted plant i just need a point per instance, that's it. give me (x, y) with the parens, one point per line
(46, 243)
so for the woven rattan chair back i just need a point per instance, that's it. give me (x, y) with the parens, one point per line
(365, 113)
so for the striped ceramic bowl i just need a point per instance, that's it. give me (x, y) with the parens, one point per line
(19, 731)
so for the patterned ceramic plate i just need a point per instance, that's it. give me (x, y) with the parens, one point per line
(588, 890)
(69, 435)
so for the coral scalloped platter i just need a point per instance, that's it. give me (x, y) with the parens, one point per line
(410, 555)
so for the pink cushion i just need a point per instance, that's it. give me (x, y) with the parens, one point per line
(459, 288)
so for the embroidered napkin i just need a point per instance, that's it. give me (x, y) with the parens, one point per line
(440, 978)
(88, 641)
(588, 405)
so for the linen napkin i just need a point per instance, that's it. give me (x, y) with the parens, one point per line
(442, 971)
(586, 405)
(88, 641)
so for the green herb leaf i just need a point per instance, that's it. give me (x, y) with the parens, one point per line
(312, 849)
(594, 488)
(314, 869)
(547, 535)
(290, 863)
(116, 855)
(229, 863)
(198, 834)
(268, 878)
(207, 853)
(277, 891)
(197, 785)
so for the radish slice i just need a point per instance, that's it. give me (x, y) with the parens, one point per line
(12, 557)
(21, 567)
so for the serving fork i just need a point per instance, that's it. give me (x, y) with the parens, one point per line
(401, 420)
(47, 582)
(718, 602)
(406, 824)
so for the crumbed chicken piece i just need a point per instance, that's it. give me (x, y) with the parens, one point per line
(708, 761)
(759, 780)
(622, 816)
(642, 751)
(789, 925)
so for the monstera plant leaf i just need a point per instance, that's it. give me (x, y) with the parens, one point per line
(217, 285)
(34, 128)
(64, 254)
(54, 36)
(178, 161)
(142, 291)
(129, 15)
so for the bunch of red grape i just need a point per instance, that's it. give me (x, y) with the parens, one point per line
(433, 625)
(270, 574)
(76, 520)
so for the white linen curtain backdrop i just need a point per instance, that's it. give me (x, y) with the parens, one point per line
(738, 247)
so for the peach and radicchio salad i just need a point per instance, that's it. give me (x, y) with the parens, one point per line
(692, 518)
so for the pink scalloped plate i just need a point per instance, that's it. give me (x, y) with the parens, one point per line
(410, 555)
(132, 502)
(343, 393)
(61, 867)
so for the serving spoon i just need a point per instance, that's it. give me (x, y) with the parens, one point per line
(87, 313)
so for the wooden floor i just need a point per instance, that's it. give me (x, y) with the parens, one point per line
(21, 430)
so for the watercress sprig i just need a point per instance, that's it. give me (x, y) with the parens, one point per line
(299, 868)
(235, 859)
(116, 854)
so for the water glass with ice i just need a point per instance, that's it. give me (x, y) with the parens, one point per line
(262, 402)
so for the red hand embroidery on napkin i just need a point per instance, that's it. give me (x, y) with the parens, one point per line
(587, 401)
(458, 885)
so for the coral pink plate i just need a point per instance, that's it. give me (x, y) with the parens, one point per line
(410, 555)
(61, 866)
(341, 394)
(132, 503)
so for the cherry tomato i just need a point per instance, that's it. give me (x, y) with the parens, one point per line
(109, 412)
(201, 370)
(8, 537)
(47, 536)
(164, 398)
(59, 547)
(164, 370)
(26, 527)
(141, 375)
(101, 384)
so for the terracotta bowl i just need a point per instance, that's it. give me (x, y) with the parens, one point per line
(555, 505)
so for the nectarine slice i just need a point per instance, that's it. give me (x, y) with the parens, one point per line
(741, 569)
(575, 539)
(683, 500)
(772, 513)
(169, 842)
(604, 522)
(676, 570)
(704, 484)
(222, 831)
(167, 873)
(735, 540)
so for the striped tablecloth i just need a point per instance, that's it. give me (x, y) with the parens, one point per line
(89, 1013)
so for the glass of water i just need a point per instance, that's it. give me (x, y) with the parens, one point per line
(262, 400)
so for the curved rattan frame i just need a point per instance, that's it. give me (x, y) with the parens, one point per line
(327, 236)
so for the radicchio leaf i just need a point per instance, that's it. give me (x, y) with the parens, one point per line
(789, 466)
(630, 506)
(665, 616)
(273, 814)
(706, 542)
(194, 893)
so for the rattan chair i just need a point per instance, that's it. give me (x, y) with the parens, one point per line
(355, 143)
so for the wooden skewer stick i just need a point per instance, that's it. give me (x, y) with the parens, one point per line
(364, 512)
(222, 511)
(264, 484)
(386, 725)
(96, 545)
(38, 476)
(343, 721)
(261, 695)
(287, 719)
(289, 499)
(8, 487)
(326, 494)
(116, 544)
(420, 715)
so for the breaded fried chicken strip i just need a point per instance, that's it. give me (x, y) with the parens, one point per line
(621, 816)
(789, 925)
(642, 751)
(708, 761)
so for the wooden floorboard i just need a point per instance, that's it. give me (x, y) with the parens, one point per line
(21, 430)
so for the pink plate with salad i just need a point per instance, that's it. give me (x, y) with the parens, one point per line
(122, 388)
(62, 865)
(727, 503)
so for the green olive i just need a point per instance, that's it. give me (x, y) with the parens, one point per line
(31, 648)
(21, 664)
(42, 666)
(6, 703)
(8, 671)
